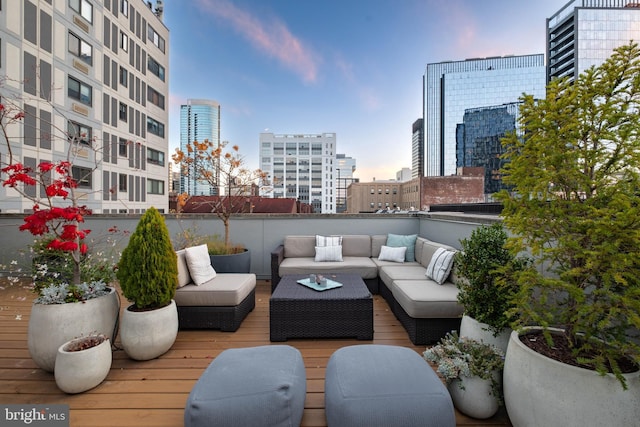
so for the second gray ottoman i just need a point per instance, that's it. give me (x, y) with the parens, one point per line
(381, 385)
(255, 386)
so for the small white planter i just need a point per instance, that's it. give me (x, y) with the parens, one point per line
(146, 335)
(540, 391)
(78, 371)
(475, 400)
(51, 325)
(471, 328)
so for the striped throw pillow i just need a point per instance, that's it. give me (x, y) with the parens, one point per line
(440, 265)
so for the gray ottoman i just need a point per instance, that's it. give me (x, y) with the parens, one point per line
(381, 385)
(256, 386)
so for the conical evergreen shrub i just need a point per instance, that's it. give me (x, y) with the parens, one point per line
(148, 268)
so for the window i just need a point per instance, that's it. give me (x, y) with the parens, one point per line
(155, 38)
(124, 41)
(155, 127)
(78, 132)
(84, 8)
(155, 68)
(124, 77)
(122, 147)
(155, 97)
(155, 186)
(80, 91)
(82, 176)
(122, 182)
(124, 7)
(123, 112)
(155, 157)
(80, 48)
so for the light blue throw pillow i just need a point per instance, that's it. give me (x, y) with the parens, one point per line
(409, 241)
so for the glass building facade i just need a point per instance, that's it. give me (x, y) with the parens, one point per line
(199, 120)
(584, 33)
(450, 88)
(417, 149)
(478, 140)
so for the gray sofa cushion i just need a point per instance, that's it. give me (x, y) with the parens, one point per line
(226, 289)
(425, 299)
(377, 241)
(362, 266)
(407, 271)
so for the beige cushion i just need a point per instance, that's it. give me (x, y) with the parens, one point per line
(377, 241)
(425, 299)
(226, 289)
(364, 267)
(407, 271)
(299, 246)
(440, 265)
(357, 245)
(387, 253)
(184, 278)
(328, 253)
(199, 264)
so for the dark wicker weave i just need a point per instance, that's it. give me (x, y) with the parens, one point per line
(421, 331)
(277, 256)
(300, 312)
(227, 318)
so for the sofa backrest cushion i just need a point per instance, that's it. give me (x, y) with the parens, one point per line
(356, 245)
(299, 246)
(377, 241)
(184, 278)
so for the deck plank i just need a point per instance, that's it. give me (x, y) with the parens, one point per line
(154, 392)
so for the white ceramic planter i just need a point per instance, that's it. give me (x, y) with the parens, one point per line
(146, 335)
(475, 400)
(51, 325)
(78, 371)
(540, 391)
(471, 328)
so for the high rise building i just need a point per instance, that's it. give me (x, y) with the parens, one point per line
(301, 166)
(450, 88)
(199, 121)
(345, 167)
(417, 149)
(584, 33)
(93, 73)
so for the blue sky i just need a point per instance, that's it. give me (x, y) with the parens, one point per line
(353, 67)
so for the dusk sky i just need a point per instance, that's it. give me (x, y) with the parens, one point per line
(353, 67)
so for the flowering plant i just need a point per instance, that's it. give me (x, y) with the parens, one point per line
(457, 357)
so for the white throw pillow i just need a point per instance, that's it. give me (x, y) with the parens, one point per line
(388, 253)
(183, 270)
(328, 253)
(328, 240)
(199, 264)
(440, 265)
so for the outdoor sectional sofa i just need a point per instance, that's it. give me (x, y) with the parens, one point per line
(426, 309)
(221, 302)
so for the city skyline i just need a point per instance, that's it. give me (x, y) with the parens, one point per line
(352, 69)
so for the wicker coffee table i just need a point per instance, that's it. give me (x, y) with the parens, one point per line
(297, 311)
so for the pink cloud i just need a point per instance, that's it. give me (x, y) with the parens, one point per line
(271, 38)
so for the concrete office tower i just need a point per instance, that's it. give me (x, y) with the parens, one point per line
(199, 120)
(450, 88)
(300, 166)
(584, 33)
(96, 71)
(417, 149)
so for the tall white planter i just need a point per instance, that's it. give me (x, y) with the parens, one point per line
(146, 335)
(475, 400)
(78, 371)
(51, 325)
(540, 391)
(471, 328)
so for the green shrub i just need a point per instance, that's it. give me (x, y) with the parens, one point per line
(148, 268)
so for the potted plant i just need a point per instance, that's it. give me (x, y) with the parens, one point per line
(484, 267)
(575, 202)
(224, 170)
(83, 363)
(473, 372)
(148, 275)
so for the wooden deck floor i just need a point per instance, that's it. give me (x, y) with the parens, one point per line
(154, 393)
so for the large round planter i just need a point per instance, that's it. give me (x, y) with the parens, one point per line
(146, 335)
(540, 391)
(233, 263)
(475, 400)
(78, 371)
(51, 325)
(471, 328)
